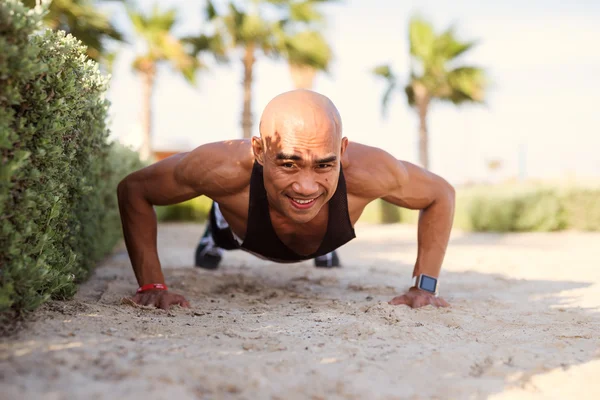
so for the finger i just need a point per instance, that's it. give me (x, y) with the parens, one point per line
(143, 299)
(136, 299)
(181, 301)
(148, 299)
(443, 303)
(164, 303)
(399, 300)
(184, 303)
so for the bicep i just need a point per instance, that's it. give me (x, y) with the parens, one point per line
(161, 183)
(414, 187)
(213, 169)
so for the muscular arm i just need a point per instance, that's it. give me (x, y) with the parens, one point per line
(158, 184)
(409, 186)
(419, 189)
(212, 170)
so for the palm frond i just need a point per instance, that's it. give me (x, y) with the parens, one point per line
(309, 48)
(238, 16)
(421, 37)
(449, 47)
(385, 72)
(210, 11)
(410, 94)
(214, 45)
(278, 2)
(305, 11)
(467, 83)
(137, 20)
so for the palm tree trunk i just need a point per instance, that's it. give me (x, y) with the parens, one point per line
(303, 76)
(247, 112)
(422, 105)
(148, 76)
(423, 137)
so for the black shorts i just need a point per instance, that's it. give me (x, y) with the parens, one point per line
(220, 230)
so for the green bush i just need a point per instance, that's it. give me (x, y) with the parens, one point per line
(509, 208)
(194, 210)
(58, 173)
(582, 208)
(539, 211)
(539, 208)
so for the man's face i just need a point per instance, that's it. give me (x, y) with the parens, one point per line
(301, 168)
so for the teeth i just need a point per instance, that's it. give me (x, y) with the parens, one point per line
(303, 201)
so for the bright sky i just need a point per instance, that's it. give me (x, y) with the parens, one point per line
(541, 119)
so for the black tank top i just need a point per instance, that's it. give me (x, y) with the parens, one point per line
(262, 239)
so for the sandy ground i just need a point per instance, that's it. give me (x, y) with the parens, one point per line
(524, 323)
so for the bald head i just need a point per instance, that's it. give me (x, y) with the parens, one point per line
(301, 149)
(300, 115)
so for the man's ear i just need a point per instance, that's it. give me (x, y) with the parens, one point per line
(344, 145)
(258, 150)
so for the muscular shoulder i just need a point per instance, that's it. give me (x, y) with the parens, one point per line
(371, 172)
(217, 169)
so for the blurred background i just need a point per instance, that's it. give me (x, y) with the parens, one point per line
(499, 98)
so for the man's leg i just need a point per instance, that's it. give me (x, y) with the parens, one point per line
(208, 255)
(329, 260)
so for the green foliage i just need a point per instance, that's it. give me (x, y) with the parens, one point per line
(582, 208)
(84, 20)
(433, 66)
(295, 34)
(161, 45)
(434, 75)
(194, 210)
(542, 209)
(508, 208)
(58, 174)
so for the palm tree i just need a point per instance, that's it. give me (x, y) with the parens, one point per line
(434, 75)
(161, 47)
(307, 50)
(82, 19)
(292, 35)
(307, 53)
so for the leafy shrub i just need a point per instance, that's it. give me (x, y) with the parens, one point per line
(194, 210)
(58, 173)
(582, 209)
(528, 209)
(509, 208)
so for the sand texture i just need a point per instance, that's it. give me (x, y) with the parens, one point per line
(523, 324)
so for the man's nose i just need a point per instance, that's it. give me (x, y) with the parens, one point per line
(305, 184)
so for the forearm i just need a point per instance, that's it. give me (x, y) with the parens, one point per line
(435, 225)
(139, 230)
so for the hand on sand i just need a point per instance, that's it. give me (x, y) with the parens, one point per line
(160, 298)
(416, 298)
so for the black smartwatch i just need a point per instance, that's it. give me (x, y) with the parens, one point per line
(426, 283)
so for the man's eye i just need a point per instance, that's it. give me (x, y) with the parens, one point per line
(323, 166)
(288, 165)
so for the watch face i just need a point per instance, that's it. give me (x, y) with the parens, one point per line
(428, 283)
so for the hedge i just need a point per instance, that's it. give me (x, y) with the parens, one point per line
(529, 207)
(194, 210)
(58, 171)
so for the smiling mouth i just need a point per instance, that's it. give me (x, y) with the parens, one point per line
(302, 203)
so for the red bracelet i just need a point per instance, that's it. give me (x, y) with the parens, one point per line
(151, 286)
